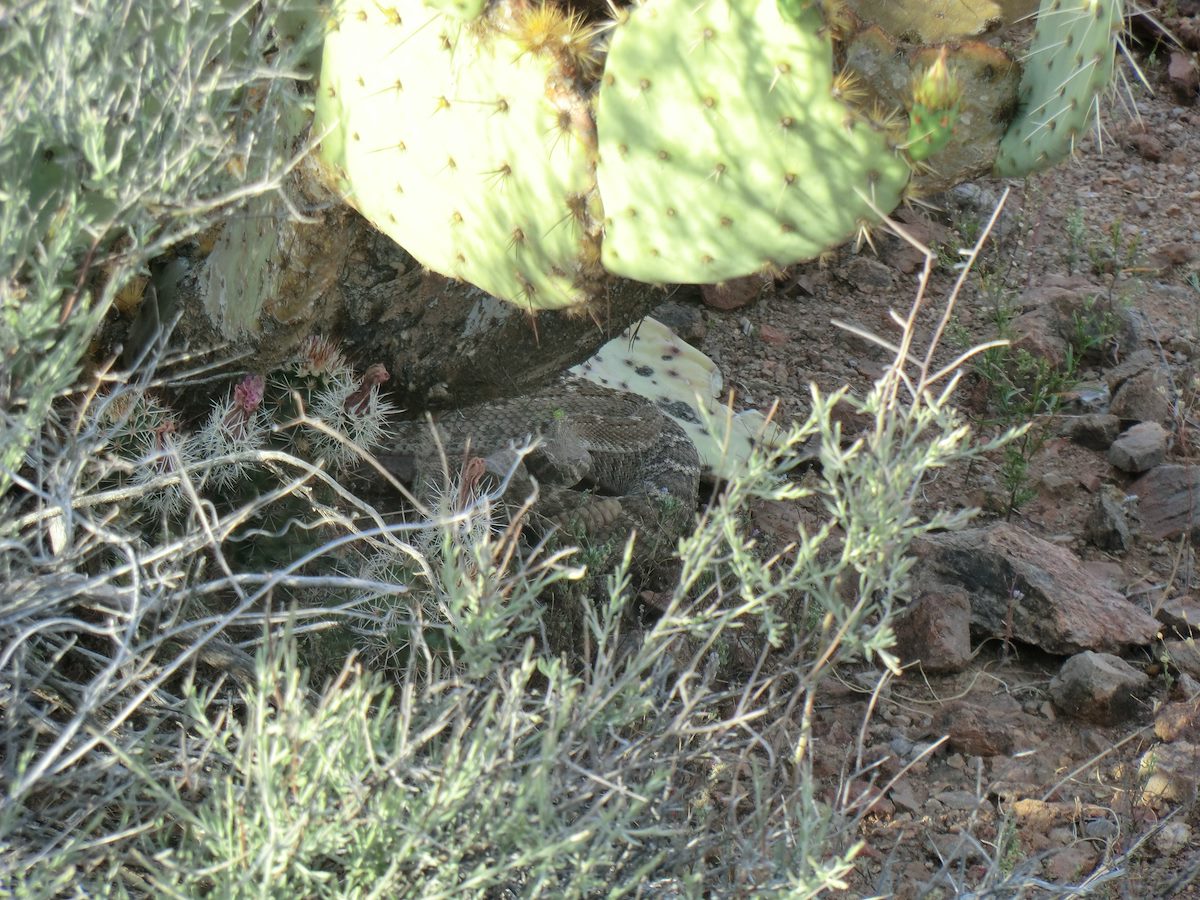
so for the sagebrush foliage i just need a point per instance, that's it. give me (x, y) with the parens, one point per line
(125, 127)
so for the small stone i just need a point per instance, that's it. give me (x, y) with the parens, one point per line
(1072, 862)
(1172, 837)
(1139, 449)
(1107, 526)
(769, 334)
(1180, 614)
(1099, 687)
(979, 731)
(1134, 364)
(1058, 484)
(1170, 771)
(1178, 721)
(1186, 687)
(732, 294)
(1101, 828)
(961, 800)
(908, 796)
(684, 319)
(1182, 656)
(869, 275)
(1096, 431)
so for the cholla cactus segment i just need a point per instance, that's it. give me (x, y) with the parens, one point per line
(467, 144)
(1068, 66)
(164, 453)
(723, 151)
(237, 426)
(353, 409)
(936, 95)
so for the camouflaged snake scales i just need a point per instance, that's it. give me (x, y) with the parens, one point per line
(610, 461)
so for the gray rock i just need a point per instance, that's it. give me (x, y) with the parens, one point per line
(1145, 397)
(936, 631)
(1100, 688)
(1139, 449)
(1169, 501)
(1134, 364)
(1179, 614)
(1027, 589)
(684, 319)
(1096, 431)
(1108, 526)
(869, 275)
(1182, 656)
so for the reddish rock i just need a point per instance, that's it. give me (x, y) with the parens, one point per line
(769, 334)
(1027, 589)
(1179, 721)
(936, 631)
(978, 730)
(1168, 501)
(732, 294)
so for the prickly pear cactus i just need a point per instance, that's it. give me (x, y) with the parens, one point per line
(722, 148)
(934, 110)
(1068, 66)
(466, 144)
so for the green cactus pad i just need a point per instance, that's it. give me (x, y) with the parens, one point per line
(1068, 66)
(449, 139)
(722, 149)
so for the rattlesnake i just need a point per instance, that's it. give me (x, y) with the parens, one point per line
(609, 461)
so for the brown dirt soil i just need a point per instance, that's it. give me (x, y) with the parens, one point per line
(1064, 803)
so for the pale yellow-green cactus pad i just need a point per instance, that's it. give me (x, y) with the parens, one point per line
(444, 135)
(722, 149)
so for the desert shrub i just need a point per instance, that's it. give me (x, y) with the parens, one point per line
(163, 734)
(124, 128)
(175, 747)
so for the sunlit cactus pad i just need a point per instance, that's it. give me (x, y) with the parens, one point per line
(723, 151)
(444, 134)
